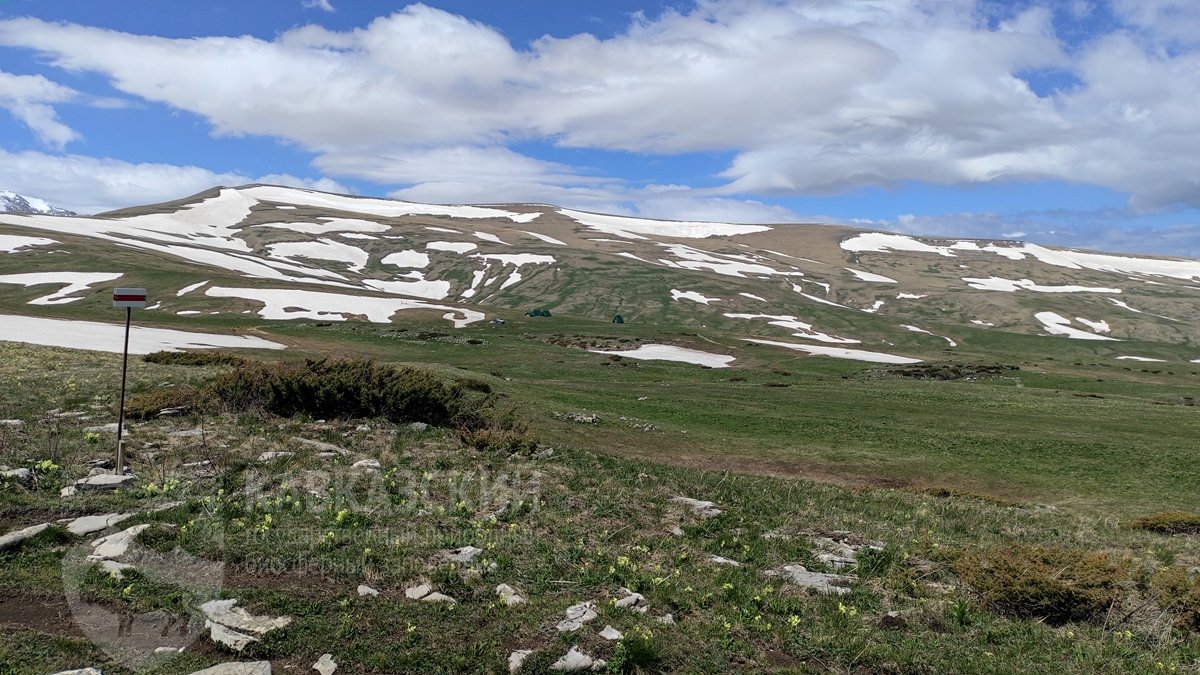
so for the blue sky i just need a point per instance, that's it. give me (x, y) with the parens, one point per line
(1069, 122)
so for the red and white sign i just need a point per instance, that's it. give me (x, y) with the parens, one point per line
(129, 297)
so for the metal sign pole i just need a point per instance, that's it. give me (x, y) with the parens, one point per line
(121, 414)
(126, 298)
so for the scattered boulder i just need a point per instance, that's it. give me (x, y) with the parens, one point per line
(102, 429)
(364, 590)
(187, 433)
(81, 671)
(319, 446)
(115, 545)
(367, 465)
(719, 560)
(272, 455)
(418, 426)
(700, 508)
(436, 597)
(666, 619)
(89, 524)
(13, 538)
(839, 551)
(21, 476)
(577, 616)
(115, 569)
(12, 424)
(234, 627)
(633, 601)
(509, 595)
(576, 661)
(105, 481)
(611, 634)
(517, 659)
(833, 584)
(238, 668)
(325, 665)
(464, 554)
(418, 592)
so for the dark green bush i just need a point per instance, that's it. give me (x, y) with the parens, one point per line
(1056, 584)
(1169, 522)
(193, 359)
(147, 405)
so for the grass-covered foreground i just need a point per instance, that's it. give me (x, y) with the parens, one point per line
(942, 582)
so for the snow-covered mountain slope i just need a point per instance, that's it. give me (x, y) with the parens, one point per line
(11, 202)
(281, 253)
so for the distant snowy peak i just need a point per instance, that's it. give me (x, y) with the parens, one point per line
(12, 202)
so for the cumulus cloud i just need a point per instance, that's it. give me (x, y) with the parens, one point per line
(809, 96)
(29, 99)
(93, 185)
(323, 5)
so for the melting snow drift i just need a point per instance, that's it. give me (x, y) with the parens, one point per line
(109, 337)
(671, 353)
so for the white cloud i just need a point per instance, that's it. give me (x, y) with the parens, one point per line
(323, 5)
(28, 99)
(92, 185)
(811, 96)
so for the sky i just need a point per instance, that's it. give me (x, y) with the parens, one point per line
(1066, 122)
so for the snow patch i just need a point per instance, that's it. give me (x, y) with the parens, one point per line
(284, 304)
(452, 246)
(110, 337)
(488, 236)
(632, 228)
(671, 353)
(1142, 358)
(72, 282)
(517, 259)
(839, 353)
(406, 259)
(188, 289)
(909, 296)
(1009, 286)
(693, 296)
(870, 276)
(545, 237)
(1096, 326)
(321, 249)
(752, 297)
(11, 243)
(1056, 324)
(803, 330)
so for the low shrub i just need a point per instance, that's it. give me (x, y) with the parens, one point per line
(1179, 592)
(194, 359)
(1052, 583)
(148, 405)
(1169, 522)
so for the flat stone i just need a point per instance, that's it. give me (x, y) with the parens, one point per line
(632, 601)
(106, 481)
(837, 561)
(367, 464)
(418, 592)
(115, 569)
(724, 561)
(187, 433)
(465, 554)
(22, 475)
(272, 455)
(202, 464)
(68, 491)
(102, 429)
(11, 539)
(363, 427)
(81, 671)
(436, 597)
(517, 659)
(15, 424)
(576, 661)
(168, 650)
(238, 668)
(115, 545)
(364, 590)
(611, 634)
(665, 618)
(676, 531)
(509, 595)
(699, 507)
(325, 665)
(235, 627)
(89, 524)
(832, 584)
(577, 616)
(319, 445)
(418, 426)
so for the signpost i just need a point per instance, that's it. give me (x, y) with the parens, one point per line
(127, 298)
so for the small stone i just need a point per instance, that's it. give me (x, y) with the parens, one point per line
(319, 446)
(418, 592)
(517, 659)
(115, 569)
(272, 455)
(68, 491)
(699, 507)
(367, 465)
(611, 634)
(238, 668)
(325, 665)
(665, 618)
(509, 595)
(81, 671)
(364, 590)
(21, 476)
(202, 464)
(234, 627)
(577, 616)
(576, 661)
(89, 524)
(14, 424)
(363, 427)
(105, 482)
(187, 433)
(418, 426)
(168, 650)
(676, 530)
(115, 545)
(633, 601)
(724, 561)
(832, 584)
(464, 554)
(102, 429)
(436, 597)
(11, 539)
